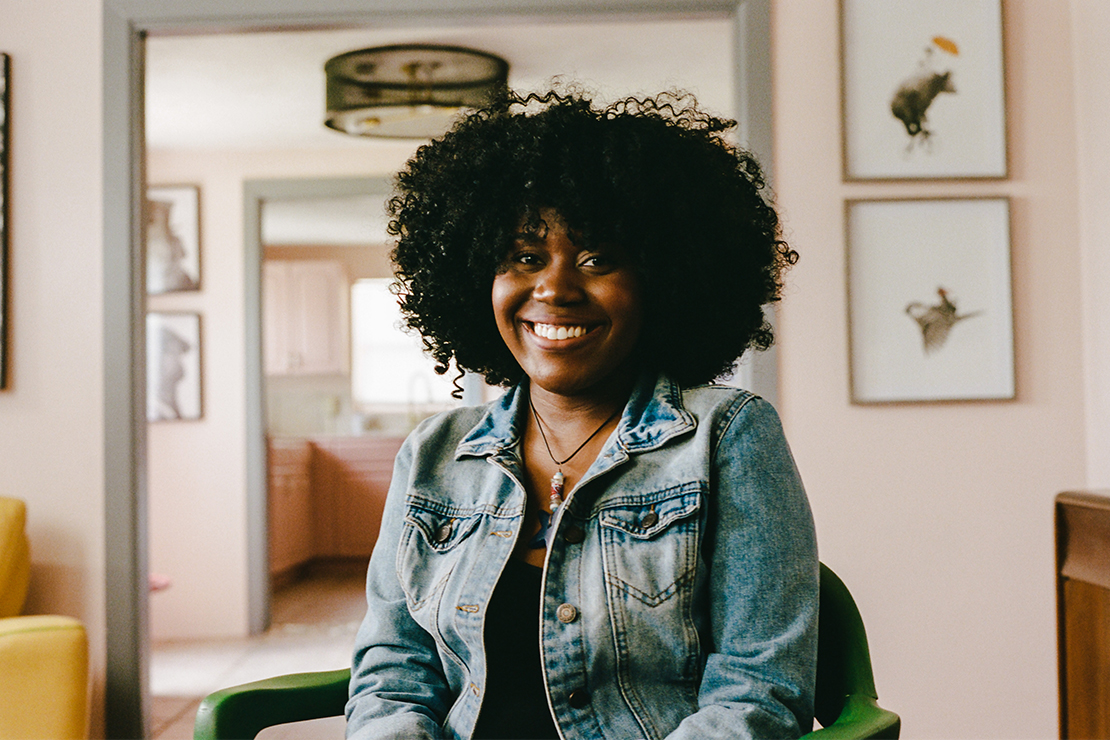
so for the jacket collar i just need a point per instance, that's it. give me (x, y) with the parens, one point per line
(653, 415)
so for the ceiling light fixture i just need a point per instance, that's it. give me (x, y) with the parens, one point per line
(408, 90)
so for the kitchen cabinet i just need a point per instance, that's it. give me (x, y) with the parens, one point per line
(305, 317)
(326, 497)
(292, 534)
(350, 479)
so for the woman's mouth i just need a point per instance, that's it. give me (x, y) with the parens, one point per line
(558, 332)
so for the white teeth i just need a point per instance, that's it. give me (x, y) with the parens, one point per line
(550, 331)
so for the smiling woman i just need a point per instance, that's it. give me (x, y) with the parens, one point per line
(616, 547)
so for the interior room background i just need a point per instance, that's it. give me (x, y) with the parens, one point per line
(939, 516)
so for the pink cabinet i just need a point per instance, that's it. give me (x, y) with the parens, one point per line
(290, 504)
(305, 317)
(326, 497)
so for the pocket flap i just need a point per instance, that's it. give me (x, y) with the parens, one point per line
(441, 530)
(649, 516)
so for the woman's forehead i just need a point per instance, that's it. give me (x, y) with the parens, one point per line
(536, 223)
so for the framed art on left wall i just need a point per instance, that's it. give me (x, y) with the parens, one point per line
(172, 238)
(174, 367)
(5, 329)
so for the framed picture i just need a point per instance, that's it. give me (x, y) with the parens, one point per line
(173, 366)
(929, 302)
(922, 89)
(5, 332)
(172, 238)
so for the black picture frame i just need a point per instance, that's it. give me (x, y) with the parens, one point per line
(5, 290)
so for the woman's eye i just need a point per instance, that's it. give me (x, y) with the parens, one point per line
(598, 262)
(524, 259)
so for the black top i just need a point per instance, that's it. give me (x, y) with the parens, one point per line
(515, 705)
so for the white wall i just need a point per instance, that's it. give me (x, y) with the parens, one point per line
(51, 428)
(197, 470)
(939, 516)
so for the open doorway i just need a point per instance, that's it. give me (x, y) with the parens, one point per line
(231, 517)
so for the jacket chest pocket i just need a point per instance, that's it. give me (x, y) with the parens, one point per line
(650, 543)
(432, 544)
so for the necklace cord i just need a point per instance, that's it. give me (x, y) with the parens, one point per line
(540, 423)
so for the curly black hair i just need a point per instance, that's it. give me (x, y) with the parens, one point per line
(653, 175)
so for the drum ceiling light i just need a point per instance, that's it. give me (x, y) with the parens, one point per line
(408, 90)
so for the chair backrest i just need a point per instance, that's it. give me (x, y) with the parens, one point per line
(843, 660)
(15, 556)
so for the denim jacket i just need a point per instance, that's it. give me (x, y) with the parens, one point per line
(679, 596)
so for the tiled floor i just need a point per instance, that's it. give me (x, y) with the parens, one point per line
(314, 624)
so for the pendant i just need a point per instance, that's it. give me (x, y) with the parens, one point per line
(542, 538)
(556, 497)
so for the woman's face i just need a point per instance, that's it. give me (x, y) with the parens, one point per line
(571, 316)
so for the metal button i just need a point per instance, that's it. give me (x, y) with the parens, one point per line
(574, 535)
(566, 613)
(443, 533)
(650, 520)
(579, 698)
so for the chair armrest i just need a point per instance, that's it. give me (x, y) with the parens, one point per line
(44, 675)
(861, 718)
(243, 711)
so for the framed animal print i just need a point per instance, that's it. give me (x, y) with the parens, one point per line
(929, 301)
(922, 89)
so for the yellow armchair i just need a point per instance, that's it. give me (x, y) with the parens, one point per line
(43, 659)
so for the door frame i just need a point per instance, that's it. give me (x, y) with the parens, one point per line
(255, 194)
(125, 24)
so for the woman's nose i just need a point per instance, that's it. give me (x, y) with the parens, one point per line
(558, 284)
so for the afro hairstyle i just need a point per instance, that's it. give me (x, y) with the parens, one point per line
(654, 175)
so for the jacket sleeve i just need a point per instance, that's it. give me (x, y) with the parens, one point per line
(761, 554)
(397, 684)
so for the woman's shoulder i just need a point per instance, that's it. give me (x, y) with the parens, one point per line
(451, 424)
(725, 405)
(718, 396)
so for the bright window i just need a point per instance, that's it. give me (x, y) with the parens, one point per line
(389, 370)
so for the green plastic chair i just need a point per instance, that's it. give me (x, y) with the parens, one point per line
(846, 705)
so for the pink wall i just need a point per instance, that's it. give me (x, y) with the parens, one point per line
(51, 419)
(939, 516)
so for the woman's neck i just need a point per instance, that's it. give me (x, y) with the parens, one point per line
(580, 410)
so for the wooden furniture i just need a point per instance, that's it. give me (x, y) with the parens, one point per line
(326, 497)
(350, 479)
(1083, 613)
(291, 510)
(305, 317)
